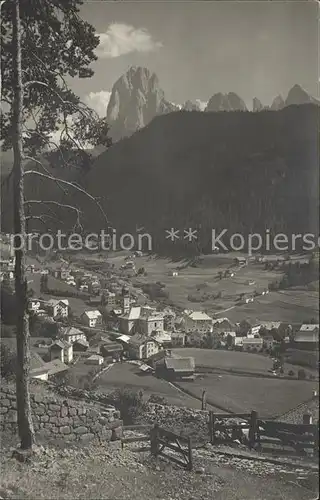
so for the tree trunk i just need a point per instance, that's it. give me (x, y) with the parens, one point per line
(25, 425)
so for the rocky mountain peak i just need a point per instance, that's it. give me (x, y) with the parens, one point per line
(191, 106)
(226, 102)
(277, 103)
(297, 95)
(136, 98)
(257, 105)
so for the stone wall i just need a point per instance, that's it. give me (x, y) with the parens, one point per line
(58, 418)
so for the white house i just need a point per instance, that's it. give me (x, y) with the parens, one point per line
(163, 338)
(129, 320)
(91, 318)
(197, 321)
(60, 349)
(140, 347)
(94, 359)
(255, 329)
(57, 308)
(34, 305)
(72, 334)
(150, 324)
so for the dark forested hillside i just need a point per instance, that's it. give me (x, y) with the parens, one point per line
(246, 172)
(242, 171)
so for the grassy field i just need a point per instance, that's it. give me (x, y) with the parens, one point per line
(270, 397)
(128, 376)
(233, 360)
(202, 283)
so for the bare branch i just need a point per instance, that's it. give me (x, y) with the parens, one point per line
(71, 184)
(46, 170)
(61, 205)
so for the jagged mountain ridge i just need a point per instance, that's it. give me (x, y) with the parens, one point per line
(137, 97)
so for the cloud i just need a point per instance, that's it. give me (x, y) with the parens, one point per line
(98, 101)
(121, 39)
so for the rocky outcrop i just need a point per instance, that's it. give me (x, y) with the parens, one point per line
(297, 95)
(257, 105)
(55, 418)
(277, 103)
(226, 102)
(191, 106)
(136, 98)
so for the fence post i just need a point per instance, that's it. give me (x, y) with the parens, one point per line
(253, 428)
(210, 427)
(307, 419)
(204, 401)
(154, 440)
(190, 461)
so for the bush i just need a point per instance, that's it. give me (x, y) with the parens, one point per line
(129, 403)
(302, 374)
(291, 373)
(159, 400)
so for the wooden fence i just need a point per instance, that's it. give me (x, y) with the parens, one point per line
(265, 435)
(162, 439)
(231, 431)
(281, 437)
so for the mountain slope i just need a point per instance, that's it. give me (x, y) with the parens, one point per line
(241, 171)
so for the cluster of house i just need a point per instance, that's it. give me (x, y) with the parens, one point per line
(7, 260)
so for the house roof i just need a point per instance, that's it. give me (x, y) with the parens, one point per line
(134, 313)
(82, 342)
(55, 302)
(221, 320)
(252, 340)
(55, 366)
(39, 371)
(92, 314)
(309, 328)
(162, 336)
(180, 364)
(61, 344)
(71, 330)
(139, 340)
(112, 346)
(124, 338)
(269, 325)
(36, 361)
(197, 315)
(95, 357)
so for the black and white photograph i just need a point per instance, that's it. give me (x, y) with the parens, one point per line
(159, 249)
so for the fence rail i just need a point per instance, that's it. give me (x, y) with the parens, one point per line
(162, 439)
(266, 435)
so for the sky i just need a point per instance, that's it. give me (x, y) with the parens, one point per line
(197, 48)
